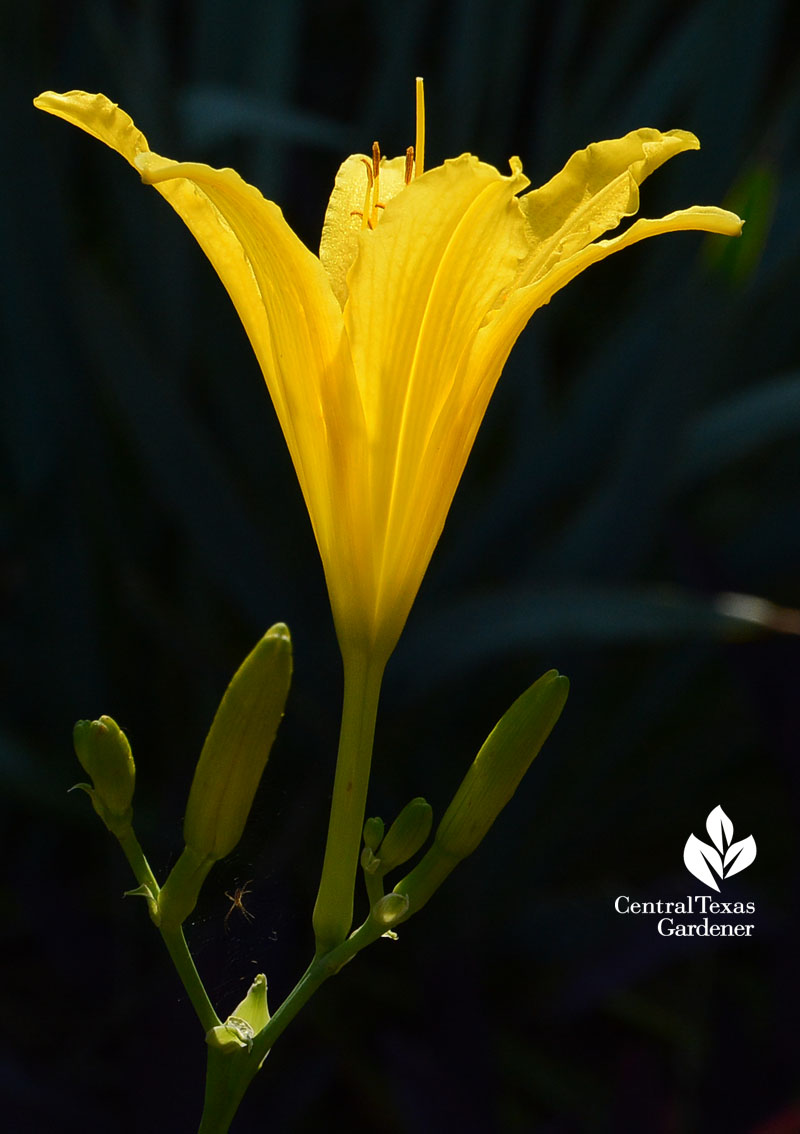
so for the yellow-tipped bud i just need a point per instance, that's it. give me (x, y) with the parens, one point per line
(406, 835)
(237, 747)
(488, 785)
(104, 752)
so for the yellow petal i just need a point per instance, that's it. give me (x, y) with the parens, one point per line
(343, 220)
(701, 218)
(98, 116)
(453, 433)
(444, 253)
(593, 192)
(289, 312)
(504, 325)
(295, 325)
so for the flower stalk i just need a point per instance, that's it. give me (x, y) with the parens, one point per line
(333, 911)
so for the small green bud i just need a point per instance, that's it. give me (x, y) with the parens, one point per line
(390, 910)
(373, 833)
(104, 752)
(488, 785)
(406, 835)
(237, 747)
(370, 863)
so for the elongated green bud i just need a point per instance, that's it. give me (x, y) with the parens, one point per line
(488, 785)
(373, 832)
(406, 835)
(104, 752)
(237, 747)
(496, 771)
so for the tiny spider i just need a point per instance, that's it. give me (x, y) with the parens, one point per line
(237, 902)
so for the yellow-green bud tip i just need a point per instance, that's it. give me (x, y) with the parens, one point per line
(500, 765)
(237, 746)
(406, 835)
(373, 832)
(390, 910)
(104, 752)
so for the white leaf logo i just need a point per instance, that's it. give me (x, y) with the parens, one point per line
(719, 828)
(724, 858)
(739, 855)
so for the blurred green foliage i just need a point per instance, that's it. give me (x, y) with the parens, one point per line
(640, 457)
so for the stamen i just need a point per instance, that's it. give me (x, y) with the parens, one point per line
(409, 170)
(376, 195)
(419, 147)
(365, 215)
(414, 166)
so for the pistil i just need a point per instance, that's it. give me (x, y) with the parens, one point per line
(419, 145)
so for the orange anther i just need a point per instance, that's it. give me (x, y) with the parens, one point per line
(409, 170)
(368, 166)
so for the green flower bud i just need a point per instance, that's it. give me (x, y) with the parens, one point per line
(406, 835)
(178, 896)
(104, 752)
(390, 910)
(488, 785)
(373, 833)
(501, 763)
(237, 747)
(370, 863)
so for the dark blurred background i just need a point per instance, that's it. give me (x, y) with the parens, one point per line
(640, 459)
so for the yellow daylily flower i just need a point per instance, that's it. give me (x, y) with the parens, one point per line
(381, 353)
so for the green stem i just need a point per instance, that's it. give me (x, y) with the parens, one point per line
(227, 1078)
(374, 887)
(229, 1073)
(333, 912)
(184, 963)
(173, 938)
(316, 974)
(139, 865)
